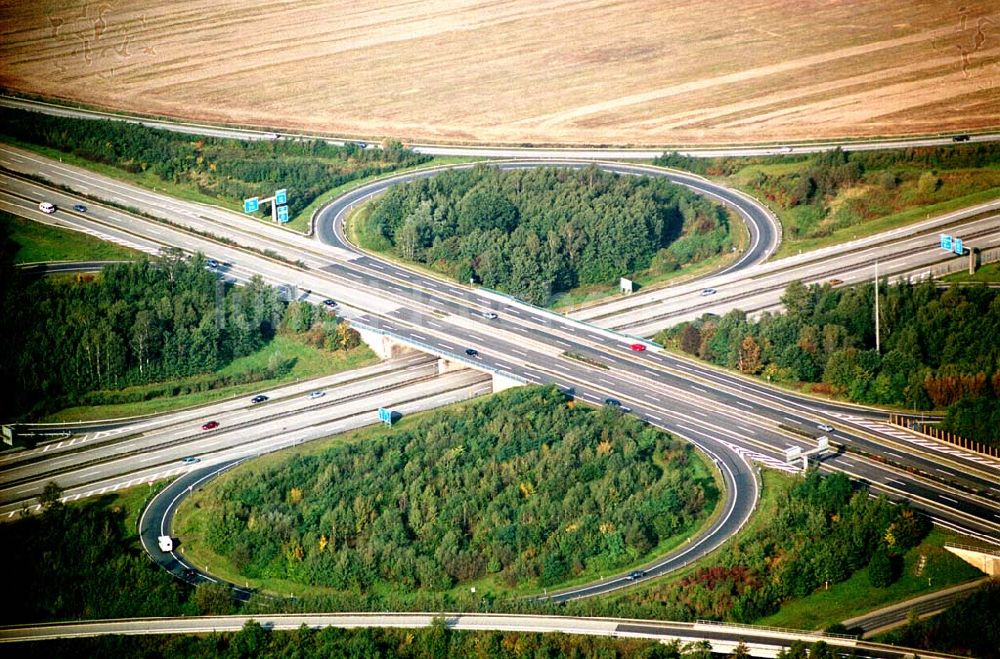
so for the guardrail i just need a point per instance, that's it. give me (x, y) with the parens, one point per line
(611, 334)
(981, 550)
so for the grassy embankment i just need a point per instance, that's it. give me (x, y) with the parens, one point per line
(845, 600)
(38, 242)
(194, 390)
(902, 200)
(190, 525)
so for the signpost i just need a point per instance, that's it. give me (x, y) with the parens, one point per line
(385, 416)
(279, 210)
(952, 244)
(793, 453)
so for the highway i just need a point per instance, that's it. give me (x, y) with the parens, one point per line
(157, 448)
(760, 641)
(731, 419)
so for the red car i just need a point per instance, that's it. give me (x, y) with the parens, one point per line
(638, 347)
(210, 425)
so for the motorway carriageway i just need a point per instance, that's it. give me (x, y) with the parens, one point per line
(138, 455)
(358, 276)
(761, 641)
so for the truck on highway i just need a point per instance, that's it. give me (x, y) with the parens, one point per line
(166, 543)
(47, 207)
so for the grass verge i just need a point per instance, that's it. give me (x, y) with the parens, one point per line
(988, 274)
(37, 242)
(309, 363)
(790, 247)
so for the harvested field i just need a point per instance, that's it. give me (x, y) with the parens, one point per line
(561, 71)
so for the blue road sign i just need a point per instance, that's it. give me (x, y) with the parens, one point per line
(251, 205)
(956, 246)
(385, 416)
(945, 241)
(282, 213)
(281, 196)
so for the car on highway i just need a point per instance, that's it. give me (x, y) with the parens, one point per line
(825, 427)
(489, 315)
(313, 395)
(835, 282)
(330, 303)
(210, 425)
(638, 347)
(47, 207)
(165, 542)
(472, 352)
(635, 574)
(960, 138)
(708, 291)
(259, 398)
(613, 402)
(79, 208)
(190, 460)
(212, 263)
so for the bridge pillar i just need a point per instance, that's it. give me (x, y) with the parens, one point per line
(384, 346)
(502, 382)
(982, 559)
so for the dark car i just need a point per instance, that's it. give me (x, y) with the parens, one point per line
(330, 303)
(210, 425)
(613, 402)
(708, 291)
(258, 399)
(635, 574)
(212, 263)
(79, 208)
(960, 138)
(472, 352)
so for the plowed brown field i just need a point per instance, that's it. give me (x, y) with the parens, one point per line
(540, 71)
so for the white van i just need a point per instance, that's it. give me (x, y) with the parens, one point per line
(166, 543)
(46, 207)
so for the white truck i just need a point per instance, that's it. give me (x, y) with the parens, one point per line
(47, 207)
(166, 543)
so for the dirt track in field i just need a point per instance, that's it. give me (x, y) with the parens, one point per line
(523, 71)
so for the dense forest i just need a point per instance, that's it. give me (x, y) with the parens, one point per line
(819, 193)
(435, 642)
(521, 485)
(820, 530)
(949, 631)
(228, 169)
(535, 232)
(135, 323)
(939, 348)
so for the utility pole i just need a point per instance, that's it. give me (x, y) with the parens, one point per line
(878, 348)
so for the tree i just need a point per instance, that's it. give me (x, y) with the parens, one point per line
(749, 356)
(880, 573)
(214, 599)
(50, 498)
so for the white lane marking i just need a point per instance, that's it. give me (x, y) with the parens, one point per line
(747, 430)
(947, 498)
(791, 419)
